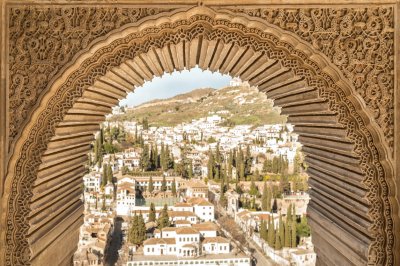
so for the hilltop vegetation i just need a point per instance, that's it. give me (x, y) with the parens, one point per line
(239, 105)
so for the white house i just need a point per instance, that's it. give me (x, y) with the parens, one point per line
(92, 182)
(203, 209)
(215, 245)
(303, 257)
(125, 198)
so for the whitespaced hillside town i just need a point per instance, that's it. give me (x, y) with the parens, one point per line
(198, 193)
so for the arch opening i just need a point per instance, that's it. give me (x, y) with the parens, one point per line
(348, 196)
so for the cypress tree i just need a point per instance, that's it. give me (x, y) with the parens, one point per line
(293, 227)
(293, 235)
(103, 207)
(163, 219)
(162, 158)
(263, 230)
(99, 157)
(133, 230)
(281, 232)
(222, 198)
(169, 159)
(109, 174)
(101, 138)
(151, 158)
(136, 135)
(156, 157)
(289, 214)
(248, 161)
(145, 158)
(104, 177)
(278, 244)
(173, 188)
(210, 165)
(253, 188)
(287, 234)
(271, 233)
(253, 203)
(152, 213)
(264, 198)
(141, 229)
(163, 184)
(217, 154)
(190, 170)
(234, 157)
(217, 174)
(151, 185)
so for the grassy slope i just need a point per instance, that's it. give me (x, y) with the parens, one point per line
(255, 109)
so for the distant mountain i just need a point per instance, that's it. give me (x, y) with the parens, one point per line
(239, 105)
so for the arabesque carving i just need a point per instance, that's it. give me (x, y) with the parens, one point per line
(44, 40)
(184, 29)
(359, 41)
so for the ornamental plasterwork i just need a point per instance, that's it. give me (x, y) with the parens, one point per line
(360, 41)
(114, 55)
(43, 41)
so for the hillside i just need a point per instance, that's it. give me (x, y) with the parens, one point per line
(239, 105)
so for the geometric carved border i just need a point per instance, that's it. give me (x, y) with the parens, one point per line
(375, 173)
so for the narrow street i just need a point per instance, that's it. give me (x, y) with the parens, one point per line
(260, 259)
(112, 252)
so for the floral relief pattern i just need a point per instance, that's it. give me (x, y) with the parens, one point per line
(43, 40)
(359, 41)
(69, 31)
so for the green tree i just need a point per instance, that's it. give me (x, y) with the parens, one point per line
(163, 218)
(266, 198)
(169, 160)
(281, 233)
(293, 242)
(109, 174)
(156, 157)
(103, 207)
(253, 188)
(271, 233)
(263, 230)
(248, 161)
(142, 229)
(190, 170)
(302, 228)
(163, 184)
(145, 163)
(133, 230)
(173, 188)
(104, 177)
(151, 185)
(278, 244)
(137, 231)
(125, 170)
(240, 165)
(210, 165)
(152, 213)
(163, 161)
(223, 200)
(286, 242)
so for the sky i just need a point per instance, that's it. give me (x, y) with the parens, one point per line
(170, 85)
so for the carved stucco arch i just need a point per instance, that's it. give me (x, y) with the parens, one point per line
(347, 121)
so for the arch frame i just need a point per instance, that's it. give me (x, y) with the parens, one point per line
(338, 77)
